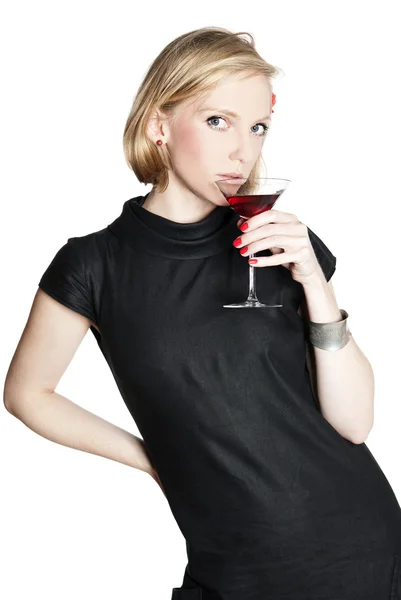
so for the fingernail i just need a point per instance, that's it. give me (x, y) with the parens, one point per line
(244, 226)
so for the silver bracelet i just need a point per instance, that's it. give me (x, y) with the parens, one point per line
(330, 336)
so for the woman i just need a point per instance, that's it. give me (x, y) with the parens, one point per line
(272, 485)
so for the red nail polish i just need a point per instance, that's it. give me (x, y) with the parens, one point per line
(237, 242)
(253, 261)
(244, 226)
(244, 249)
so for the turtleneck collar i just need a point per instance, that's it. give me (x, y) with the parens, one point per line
(152, 234)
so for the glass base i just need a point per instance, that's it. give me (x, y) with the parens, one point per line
(252, 304)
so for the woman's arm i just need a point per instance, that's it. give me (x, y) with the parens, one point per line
(49, 341)
(344, 379)
(60, 420)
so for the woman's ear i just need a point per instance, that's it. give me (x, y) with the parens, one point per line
(155, 127)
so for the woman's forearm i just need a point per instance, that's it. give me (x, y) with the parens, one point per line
(344, 378)
(60, 420)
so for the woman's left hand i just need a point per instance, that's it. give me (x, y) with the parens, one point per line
(287, 239)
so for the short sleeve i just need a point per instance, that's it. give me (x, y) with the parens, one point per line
(326, 259)
(66, 281)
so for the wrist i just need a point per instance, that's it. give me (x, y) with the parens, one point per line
(320, 300)
(144, 463)
(315, 281)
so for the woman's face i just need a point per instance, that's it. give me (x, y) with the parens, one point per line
(205, 141)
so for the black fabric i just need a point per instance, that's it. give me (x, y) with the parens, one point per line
(65, 279)
(326, 259)
(272, 501)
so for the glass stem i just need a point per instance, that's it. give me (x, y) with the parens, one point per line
(252, 292)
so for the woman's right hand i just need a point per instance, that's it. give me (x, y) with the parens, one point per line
(157, 479)
(149, 468)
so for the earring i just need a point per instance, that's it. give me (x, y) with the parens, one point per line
(159, 142)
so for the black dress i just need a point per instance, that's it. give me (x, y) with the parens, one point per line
(272, 501)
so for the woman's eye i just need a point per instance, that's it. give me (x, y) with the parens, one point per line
(214, 119)
(265, 128)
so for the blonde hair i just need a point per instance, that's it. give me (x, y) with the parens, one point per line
(186, 68)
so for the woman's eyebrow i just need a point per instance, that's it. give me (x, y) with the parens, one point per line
(231, 113)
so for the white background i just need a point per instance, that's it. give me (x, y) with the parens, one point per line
(74, 525)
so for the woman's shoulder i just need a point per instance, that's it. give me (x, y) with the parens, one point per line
(76, 271)
(93, 244)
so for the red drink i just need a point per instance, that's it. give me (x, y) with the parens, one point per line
(247, 204)
(254, 204)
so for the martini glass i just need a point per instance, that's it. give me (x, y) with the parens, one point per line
(250, 197)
